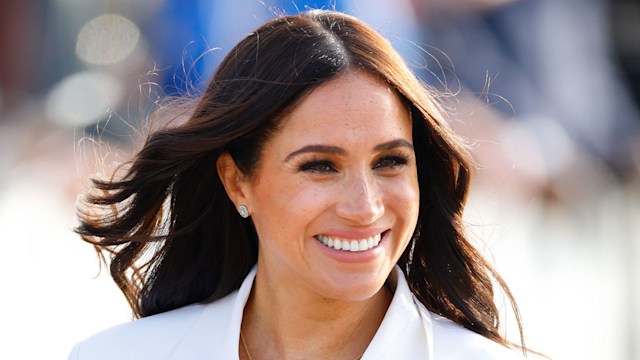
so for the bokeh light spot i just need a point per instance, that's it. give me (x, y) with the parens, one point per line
(107, 39)
(83, 98)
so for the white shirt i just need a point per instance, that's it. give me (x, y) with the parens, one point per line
(211, 331)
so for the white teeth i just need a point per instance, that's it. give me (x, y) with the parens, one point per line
(364, 245)
(350, 245)
(354, 246)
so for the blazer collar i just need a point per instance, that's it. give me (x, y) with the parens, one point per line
(405, 332)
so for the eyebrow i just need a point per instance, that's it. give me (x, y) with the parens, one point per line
(393, 144)
(335, 150)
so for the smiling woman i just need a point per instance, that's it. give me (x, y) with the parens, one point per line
(309, 208)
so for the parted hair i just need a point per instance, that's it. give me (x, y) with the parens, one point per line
(174, 238)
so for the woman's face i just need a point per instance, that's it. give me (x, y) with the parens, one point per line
(335, 197)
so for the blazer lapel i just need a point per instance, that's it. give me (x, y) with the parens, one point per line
(216, 334)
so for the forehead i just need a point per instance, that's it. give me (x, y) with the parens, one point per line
(350, 107)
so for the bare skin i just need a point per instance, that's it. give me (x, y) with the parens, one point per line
(297, 331)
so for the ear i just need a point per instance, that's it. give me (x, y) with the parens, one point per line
(233, 180)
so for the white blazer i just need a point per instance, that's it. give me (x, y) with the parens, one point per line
(211, 331)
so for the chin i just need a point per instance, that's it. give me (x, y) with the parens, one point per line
(353, 287)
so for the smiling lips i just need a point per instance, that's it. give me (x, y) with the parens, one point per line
(353, 245)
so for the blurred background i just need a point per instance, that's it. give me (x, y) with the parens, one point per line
(546, 93)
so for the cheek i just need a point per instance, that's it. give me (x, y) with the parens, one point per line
(406, 209)
(287, 205)
(299, 198)
(405, 193)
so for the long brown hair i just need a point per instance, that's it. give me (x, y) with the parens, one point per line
(173, 236)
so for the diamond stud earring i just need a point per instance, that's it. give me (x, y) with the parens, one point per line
(244, 211)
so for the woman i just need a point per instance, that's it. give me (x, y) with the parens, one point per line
(309, 208)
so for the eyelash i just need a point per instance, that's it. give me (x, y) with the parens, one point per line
(323, 166)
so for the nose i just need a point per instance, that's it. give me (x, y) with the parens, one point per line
(361, 201)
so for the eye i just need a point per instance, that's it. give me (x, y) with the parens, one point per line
(391, 162)
(318, 166)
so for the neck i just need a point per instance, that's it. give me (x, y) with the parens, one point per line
(298, 323)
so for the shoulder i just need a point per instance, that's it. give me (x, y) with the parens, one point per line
(452, 341)
(150, 337)
(447, 339)
(154, 337)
